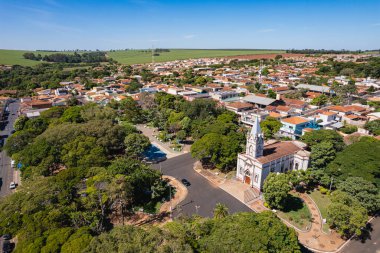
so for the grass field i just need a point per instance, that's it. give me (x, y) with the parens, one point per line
(322, 201)
(137, 56)
(296, 212)
(12, 57)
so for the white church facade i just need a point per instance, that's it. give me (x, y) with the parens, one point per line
(259, 160)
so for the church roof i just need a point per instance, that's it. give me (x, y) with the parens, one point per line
(277, 150)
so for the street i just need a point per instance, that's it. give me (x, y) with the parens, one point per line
(6, 172)
(371, 245)
(203, 196)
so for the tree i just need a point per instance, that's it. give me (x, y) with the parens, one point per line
(136, 144)
(270, 127)
(360, 159)
(272, 94)
(221, 235)
(346, 214)
(373, 126)
(181, 135)
(363, 191)
(322, 154)
(72, 114)
(220, 211)
(314, 137)
(20, 122)
(320, 100)
(276, 190)
(83, 152)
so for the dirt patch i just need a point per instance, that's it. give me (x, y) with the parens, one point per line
(179, 196)
(262, 56)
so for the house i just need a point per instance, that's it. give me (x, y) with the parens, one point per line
(259, 101)
(292, 127)
(239, 106)
(259, 160)
(224, 95)
(316, 88)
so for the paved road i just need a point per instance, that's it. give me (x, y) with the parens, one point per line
(6, 172)
(201, 192)
(372, 245)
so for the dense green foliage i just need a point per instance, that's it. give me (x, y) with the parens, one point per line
(276, 190)
(346, 214)
(361, 159)
(369, 68)
(262, 232)
(314, 137)
(68, 58)
(270, 127)
(363, 191)
(373, 127)
(77, 177)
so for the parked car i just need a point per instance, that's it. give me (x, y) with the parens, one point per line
(7, 237)
(7, 246)
(12, 185)
(185, 182)
(13, 163)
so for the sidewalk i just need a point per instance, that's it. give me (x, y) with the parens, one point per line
(164, 146)
(314, 239)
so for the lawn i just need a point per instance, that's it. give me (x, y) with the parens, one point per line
(297, 213)
(322, 201)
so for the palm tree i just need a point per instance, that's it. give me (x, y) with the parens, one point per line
(220, 211)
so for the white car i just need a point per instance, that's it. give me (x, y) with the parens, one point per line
(12, 185)
(12, 163)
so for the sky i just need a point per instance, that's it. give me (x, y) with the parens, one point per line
(216, 24)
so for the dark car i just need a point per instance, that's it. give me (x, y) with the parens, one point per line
(7, 246)
(13, 131)
(7, 237)
(185, 182)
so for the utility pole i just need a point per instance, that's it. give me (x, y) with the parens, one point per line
(170, 196)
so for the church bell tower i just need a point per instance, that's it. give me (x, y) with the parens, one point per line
(255, 141)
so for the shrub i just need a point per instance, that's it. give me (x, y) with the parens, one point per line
(323, 190)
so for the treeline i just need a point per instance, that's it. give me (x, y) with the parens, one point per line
(324, 51)
(370, 68)
(47, 75)
(69, 58)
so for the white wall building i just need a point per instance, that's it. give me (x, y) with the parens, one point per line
(259, 160)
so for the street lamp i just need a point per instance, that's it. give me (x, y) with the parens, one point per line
(196, 208)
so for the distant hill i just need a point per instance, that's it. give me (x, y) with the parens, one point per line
(12, 57)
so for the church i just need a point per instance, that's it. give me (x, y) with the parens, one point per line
(259, 160)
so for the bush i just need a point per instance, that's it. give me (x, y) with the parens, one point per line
(349, 129)
(323, 190)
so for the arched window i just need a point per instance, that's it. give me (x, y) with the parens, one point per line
(296, 168)
(250, 150)
(256, 178)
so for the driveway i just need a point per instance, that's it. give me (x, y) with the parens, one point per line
(202, 196)
(371, 245)
(6, 172)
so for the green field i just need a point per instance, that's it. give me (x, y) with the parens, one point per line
(12, 57)
(137, 56)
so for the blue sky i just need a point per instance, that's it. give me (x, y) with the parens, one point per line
(269, 24)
